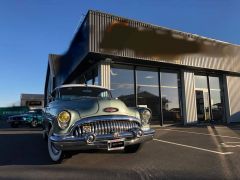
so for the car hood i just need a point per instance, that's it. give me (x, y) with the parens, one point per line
(95, 107)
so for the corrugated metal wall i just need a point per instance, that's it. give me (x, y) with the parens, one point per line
(189, 97)
(217, 55)
(104, 74)
(233, 87)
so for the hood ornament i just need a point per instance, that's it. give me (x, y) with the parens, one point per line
(110, 109)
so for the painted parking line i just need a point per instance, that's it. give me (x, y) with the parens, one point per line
(193, 147)
(231, 144)
(205, 134)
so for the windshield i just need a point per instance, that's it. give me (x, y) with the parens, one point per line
(69, 93)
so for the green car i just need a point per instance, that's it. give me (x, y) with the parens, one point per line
(87, 117)
(32, 118)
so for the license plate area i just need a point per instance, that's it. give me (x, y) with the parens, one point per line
(116, 144)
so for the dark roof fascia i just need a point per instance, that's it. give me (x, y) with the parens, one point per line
(192, 35)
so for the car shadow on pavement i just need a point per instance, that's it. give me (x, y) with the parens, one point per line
(23, 149)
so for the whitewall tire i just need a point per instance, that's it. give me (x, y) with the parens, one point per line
(54, 153)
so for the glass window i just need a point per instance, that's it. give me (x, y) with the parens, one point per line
(148, 90)
(122, 84)
(71, 93)
(209, 98)
(214, 83)
(201, 82)
(170, 97)
(216, 98)
(169, 79)
(95, 76)
(90, 81)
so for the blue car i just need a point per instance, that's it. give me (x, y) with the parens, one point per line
(32, 118)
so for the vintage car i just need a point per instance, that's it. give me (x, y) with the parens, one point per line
(31, 118)
(87, 117)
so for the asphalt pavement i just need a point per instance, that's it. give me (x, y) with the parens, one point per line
(208, 152)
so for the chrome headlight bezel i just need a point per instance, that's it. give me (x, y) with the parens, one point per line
(63, 119)
(145, 115)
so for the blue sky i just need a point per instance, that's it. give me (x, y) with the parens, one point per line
(31, 29)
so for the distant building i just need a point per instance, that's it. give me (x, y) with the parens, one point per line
(182, 77)
(33, 101)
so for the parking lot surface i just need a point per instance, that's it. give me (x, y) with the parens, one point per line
(207, 152)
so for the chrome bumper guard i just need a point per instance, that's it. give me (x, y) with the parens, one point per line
(92, 141)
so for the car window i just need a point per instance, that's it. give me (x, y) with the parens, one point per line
(70, 93)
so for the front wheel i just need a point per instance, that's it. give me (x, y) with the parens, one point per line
(132, 148)
(55, 154)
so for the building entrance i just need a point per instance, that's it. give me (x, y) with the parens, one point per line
(203, 106)
(209, 98)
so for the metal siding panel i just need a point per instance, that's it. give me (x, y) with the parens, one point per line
(100, 21)
(104, 74)
(233, 86)
(189, 99)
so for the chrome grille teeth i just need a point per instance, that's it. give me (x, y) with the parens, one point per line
(91, 125)
(106, 127)
(108, 130)
(129, 125)
(118, 126)
(94, 128)
(114, 126)
(102, 130)
(97, 128)
(103, 127)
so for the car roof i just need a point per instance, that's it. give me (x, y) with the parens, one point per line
(80, 85)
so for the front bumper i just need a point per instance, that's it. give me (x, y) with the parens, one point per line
(62, 142)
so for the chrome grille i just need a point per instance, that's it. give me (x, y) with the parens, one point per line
(105, 127)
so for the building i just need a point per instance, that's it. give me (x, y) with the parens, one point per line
(182, 77)
(32, 101)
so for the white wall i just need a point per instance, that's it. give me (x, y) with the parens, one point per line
(189, 97)
(233, 90)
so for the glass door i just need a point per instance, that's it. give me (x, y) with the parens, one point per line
(216, 99)
(209, 98)
(203, 107)
(171, 111)
(147, 90)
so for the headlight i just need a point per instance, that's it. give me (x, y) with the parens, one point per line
(63, 118)
(145, 116)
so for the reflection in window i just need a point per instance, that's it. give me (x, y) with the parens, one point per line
(148, 90)
(170, 97)
(122, 84)
(95, 76)
(216, 100)
(89, 82)
(214, 83)
(208, 99)
(202, 98)
(201, 82)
